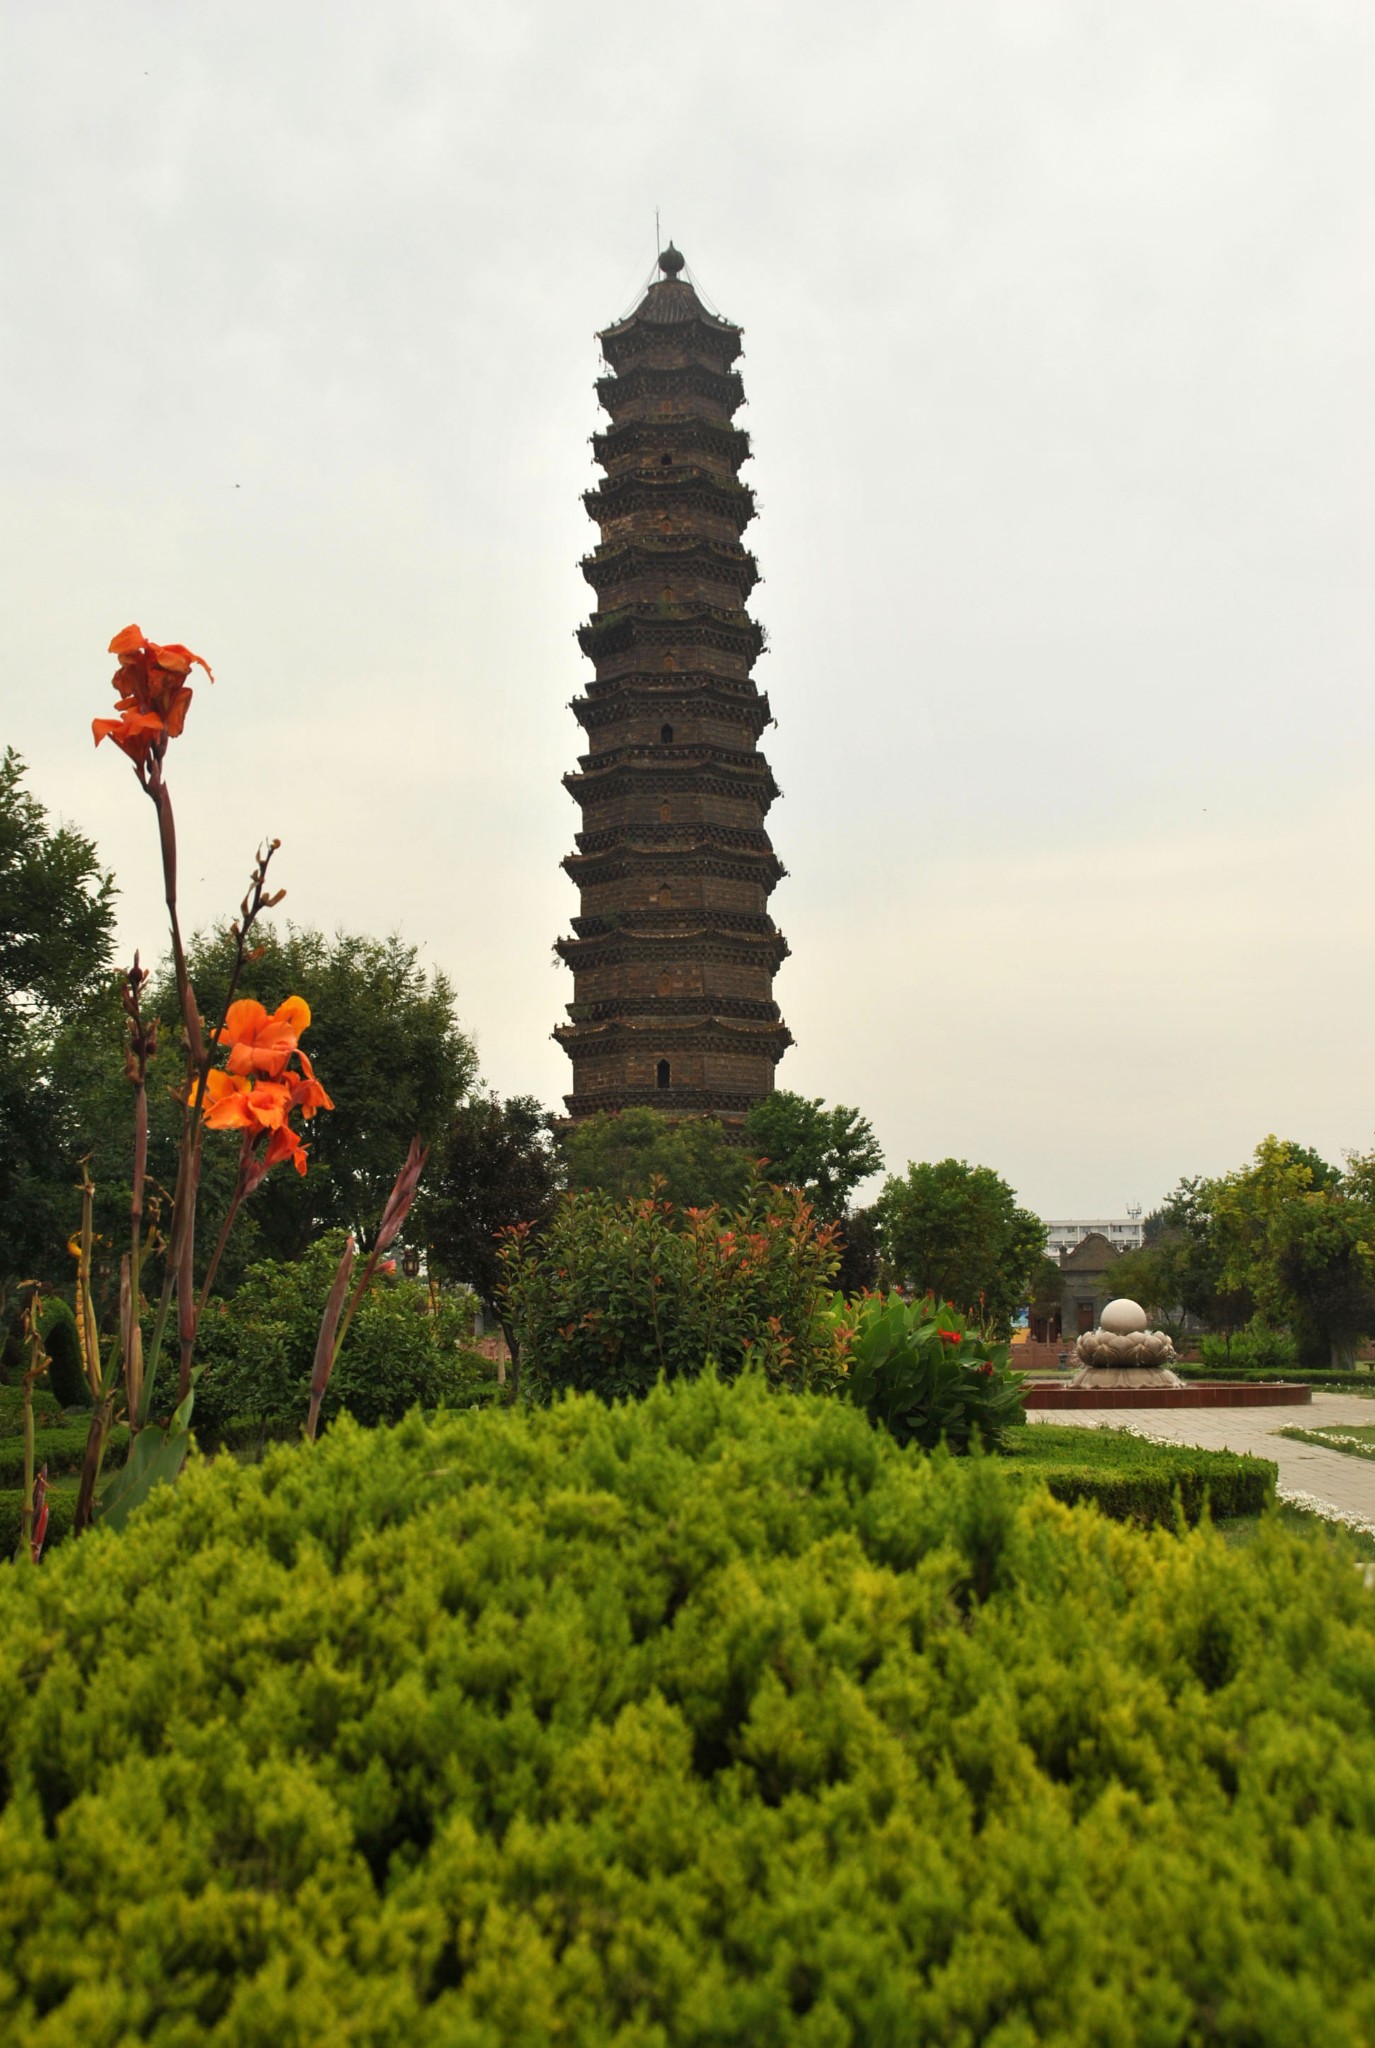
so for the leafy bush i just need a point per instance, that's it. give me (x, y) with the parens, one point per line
(258, 1348)
(615, 1293)
(923, 1374)
(1254, 1349)
(47, 1412)
(1134, 1480)
(716, 1719)
(66, 1374)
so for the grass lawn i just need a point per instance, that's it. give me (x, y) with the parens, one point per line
(1357, 1439)
(1239, 1530)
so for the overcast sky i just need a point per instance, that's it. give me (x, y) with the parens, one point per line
(1058, 350)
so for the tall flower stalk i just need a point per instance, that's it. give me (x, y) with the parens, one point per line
(265, 1080)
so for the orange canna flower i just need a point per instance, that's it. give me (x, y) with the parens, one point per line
(307, 1094)
(154, 696)
(264, 1106)
(284, 1144)
(259, 1044)
(218, 1084)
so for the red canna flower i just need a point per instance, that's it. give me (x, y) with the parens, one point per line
(154, 696)
(39, 1527)
(948, 1336)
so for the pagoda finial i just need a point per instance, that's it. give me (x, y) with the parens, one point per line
(671, 261)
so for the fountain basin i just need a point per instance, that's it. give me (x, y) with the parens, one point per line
(1191, 1394)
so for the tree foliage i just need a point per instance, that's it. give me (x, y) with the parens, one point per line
(860, 1244)
(1299, 1237)
(624, 1155)
(803, 1144)
(956, 1231)
(56, 949)
(494, 1165)
(1285, 1242)
(386, 1041)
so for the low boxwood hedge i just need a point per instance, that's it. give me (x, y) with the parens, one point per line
(1135, 1480)
(61, 1450)
(1358, 1381)
(61, 1507)
(715, 1719)
(47, 1410)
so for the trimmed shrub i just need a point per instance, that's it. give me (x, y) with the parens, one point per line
(61, 1508)
(713, 1719)
(61, 1450)
(1134, 1480)
(258, 1349)
(47, 1412)
(66, 1375)
(1254, 1349)
(1356, 1382)
(611, 1295)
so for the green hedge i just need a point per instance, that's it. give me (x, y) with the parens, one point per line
(1134, 1480)
(718, 1719)
(61, 1508)
(61, 1450)
(47, 1411)
(1359, 1382)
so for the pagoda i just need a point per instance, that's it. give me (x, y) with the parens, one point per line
(674, 952)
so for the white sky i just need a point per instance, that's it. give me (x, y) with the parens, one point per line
(1059, 324)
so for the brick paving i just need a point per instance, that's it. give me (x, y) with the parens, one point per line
(1337, 1485)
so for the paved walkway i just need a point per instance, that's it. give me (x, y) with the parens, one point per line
(1335, 1484)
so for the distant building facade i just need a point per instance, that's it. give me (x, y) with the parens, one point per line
(1087, 1288)
(1124, 1233)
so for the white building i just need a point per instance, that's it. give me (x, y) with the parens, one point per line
(1122, 1232)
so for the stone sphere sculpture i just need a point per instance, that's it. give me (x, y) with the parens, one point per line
(1124, 1351)
(1123, 1318)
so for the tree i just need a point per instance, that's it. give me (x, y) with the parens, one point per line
(860, 1245)
(623, 1156)
(956, 1231)
(494, 1165)
(1046, 1287)
(1299, 1236)
(56, 949)
(825, 1152)
(386, 1043)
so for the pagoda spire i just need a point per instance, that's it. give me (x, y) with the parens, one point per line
(674, 951)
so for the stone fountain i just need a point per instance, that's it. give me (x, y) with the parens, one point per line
(1124, 1352)
(1126, 1364)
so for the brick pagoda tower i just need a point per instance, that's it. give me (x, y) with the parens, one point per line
(675, 953)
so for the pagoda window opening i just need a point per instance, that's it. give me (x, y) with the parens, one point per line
(665, 895)
(662, 1077)
(665, 461)
(666, 735)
